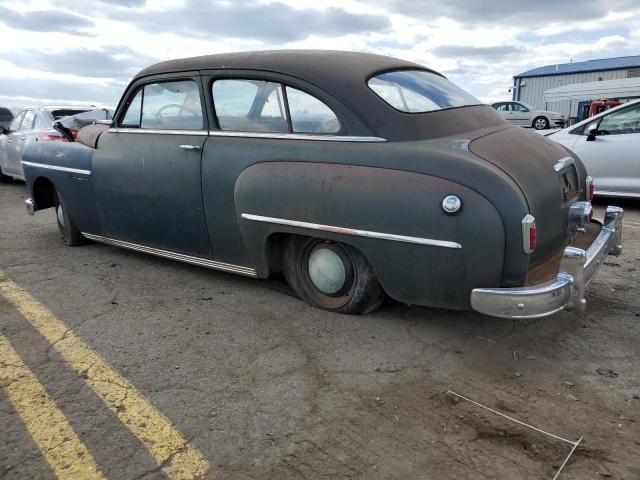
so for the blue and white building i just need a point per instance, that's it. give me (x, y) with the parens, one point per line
(558, 87)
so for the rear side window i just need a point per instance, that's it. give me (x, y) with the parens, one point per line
(29, 120)
(245, 105)
(15, 125)
(310, 115)
(418, 91)
(165, 106)
(250, 106)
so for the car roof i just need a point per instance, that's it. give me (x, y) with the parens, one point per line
(343, 77)
(313, 65)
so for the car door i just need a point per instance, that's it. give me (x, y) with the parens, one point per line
(147, 170)
(25, 136)
(519, 115)
(611, 155)
(12, 146)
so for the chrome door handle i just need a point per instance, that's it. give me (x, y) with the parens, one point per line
(189, 147)
(23, 137)
(8, 140)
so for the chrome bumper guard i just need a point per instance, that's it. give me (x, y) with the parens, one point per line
(31, 206)
(567, 290)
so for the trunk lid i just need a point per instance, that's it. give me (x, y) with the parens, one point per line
(550, 177)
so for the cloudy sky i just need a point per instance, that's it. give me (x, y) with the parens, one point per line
(85, 51)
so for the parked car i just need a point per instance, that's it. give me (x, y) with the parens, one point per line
(354, 174)
(608, 144)
(6, 117)
(30, 125)
(524, 115)
(70, 126)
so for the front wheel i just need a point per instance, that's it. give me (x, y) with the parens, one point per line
(331, 275)
(70, 234)
(540, 123)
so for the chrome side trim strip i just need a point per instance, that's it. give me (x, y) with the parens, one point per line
(280, 136)
(352, 231)
(203, 262)
(202, 133)
(296, 136)
(56, 167)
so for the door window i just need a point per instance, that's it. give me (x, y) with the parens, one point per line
(171, 106)
(516, 107)
(310, 115)
(621, 122)
(28, 121)
(501, 107)
(165, 106)
(15, 125)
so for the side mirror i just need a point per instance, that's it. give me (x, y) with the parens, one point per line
(591, 131)
(3, 130)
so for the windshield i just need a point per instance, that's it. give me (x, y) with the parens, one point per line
(418, 91)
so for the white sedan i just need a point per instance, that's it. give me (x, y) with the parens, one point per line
(523, 114)
(609, 146)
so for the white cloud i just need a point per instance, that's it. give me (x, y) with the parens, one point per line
(479, 46)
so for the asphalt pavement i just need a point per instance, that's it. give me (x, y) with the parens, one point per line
(116, 364)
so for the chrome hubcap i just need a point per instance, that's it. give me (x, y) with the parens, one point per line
(327, 271)
(540, 124)
(60, 215)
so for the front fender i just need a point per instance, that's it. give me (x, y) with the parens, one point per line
(381, 201)
(67, 168)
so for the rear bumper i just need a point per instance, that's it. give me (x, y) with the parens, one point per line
(567, 291)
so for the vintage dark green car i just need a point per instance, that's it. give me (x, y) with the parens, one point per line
(355, 175)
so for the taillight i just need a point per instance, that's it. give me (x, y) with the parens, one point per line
(52, 136)
(590, 187)
(529, 233)
(74, 133)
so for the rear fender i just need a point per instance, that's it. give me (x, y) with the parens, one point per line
(379, 201)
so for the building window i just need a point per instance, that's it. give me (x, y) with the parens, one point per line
(633, 73)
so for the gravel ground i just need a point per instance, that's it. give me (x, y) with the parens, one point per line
(269, 388)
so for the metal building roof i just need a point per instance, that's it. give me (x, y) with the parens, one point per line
(588, 66)
(620, 88)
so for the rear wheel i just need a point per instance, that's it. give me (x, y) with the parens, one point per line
(540, 123)
(331, 275)
(70, 234)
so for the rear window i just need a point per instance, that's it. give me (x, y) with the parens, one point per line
(418, 91)
(58, 114)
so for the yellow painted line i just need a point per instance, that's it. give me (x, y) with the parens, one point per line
(59, 444)
(178, 459)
